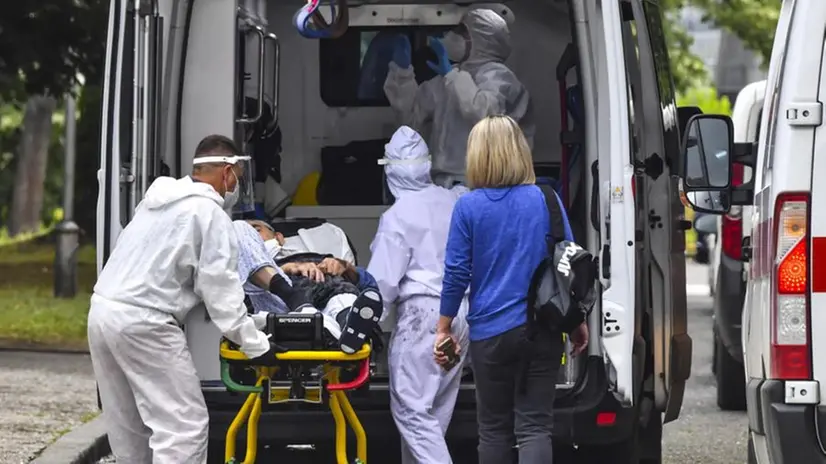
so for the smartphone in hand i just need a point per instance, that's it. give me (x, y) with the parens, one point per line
(449, 349)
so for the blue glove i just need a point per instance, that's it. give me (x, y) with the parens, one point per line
(443, 66)
(401, 51)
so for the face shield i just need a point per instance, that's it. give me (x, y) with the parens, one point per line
(241, 199)
(311, 23)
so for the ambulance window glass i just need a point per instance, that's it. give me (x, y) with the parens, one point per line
(353, 68)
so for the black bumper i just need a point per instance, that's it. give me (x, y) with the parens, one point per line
(728, 305)
(789, 428)
(575, 417)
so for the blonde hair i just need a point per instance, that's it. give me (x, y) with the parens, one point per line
(498, 154)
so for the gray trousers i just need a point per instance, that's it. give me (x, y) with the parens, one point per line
(507, 414)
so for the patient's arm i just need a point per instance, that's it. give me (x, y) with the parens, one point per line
(262, 277)
(339, 267)
(308, 270)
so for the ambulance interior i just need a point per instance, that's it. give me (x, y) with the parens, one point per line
(313, 115)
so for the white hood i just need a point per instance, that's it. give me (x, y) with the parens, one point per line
(408, 163)
(167, 190)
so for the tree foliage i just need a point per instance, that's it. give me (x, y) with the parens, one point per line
(707, 99)
(46, 44)
(752, 21)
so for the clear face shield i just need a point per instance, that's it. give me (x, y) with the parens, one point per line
(241, 199)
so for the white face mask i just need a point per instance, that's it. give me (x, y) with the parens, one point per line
(231, 198)
(273, 247)
(456, 47)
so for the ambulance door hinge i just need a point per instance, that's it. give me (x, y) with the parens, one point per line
(804, 114)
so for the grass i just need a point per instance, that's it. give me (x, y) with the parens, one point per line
(29, 313)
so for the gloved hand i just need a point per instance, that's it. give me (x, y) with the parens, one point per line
(442, 66)
(269, 357)
(260, 320)
(401, 52)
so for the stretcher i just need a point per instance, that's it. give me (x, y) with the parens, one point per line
(310, 371)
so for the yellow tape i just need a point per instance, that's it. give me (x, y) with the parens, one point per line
(564, 339)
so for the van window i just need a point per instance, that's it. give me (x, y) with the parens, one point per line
(354, 67)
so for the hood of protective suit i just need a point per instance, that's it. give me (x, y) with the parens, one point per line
(411, 171)
(167, 190)
(490, 38)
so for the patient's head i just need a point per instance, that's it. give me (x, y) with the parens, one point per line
(266, 231)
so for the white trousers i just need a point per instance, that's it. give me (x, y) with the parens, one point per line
(422, 394)
(150, 392)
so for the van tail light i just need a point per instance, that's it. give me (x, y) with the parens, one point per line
(732, 224)
(790, 288)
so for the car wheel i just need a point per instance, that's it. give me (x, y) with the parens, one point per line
(731, 379)
(752, 455)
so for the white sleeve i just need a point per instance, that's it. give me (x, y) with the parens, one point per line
(413, 103)
(389, 262)
(479, 100)
(217, 283)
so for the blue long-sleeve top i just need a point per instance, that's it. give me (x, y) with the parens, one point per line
(496, 241)
(366, 280)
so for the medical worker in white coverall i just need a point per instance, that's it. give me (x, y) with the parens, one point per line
(179, 250)
(408, 255)
(472, 83)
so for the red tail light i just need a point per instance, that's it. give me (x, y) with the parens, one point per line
(790, 287)
(732, 224)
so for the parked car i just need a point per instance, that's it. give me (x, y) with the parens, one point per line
(706, 227)
(727, 270)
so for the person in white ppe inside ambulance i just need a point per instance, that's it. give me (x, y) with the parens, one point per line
(408, 254)
(473, 82)
(179, 250)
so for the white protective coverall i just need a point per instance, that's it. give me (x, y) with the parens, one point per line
(445, 109)
(408, 255)
(179, 250)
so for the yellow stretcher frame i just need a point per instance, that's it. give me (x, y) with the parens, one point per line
(340, 407)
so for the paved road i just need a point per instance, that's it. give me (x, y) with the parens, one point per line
(703, 433)
(41, 397)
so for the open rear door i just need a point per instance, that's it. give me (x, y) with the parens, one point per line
(129, 131)
(117, 80)
(617, 252)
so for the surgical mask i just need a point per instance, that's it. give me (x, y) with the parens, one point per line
(456, 46)
(242, 196)
(231, 198)
(273, 247)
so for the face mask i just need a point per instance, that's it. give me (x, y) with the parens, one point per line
(456, 47)
(273, 247)
(231, 198)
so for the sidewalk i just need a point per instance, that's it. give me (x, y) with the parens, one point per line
(42, 396)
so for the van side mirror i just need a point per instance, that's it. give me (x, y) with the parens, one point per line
(707, 148)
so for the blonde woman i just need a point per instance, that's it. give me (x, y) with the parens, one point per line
(496, 241)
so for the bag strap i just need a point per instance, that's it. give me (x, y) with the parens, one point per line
(556, 216)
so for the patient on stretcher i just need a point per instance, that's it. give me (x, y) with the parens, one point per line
(307, 285)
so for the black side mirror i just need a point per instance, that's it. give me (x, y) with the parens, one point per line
(708, 149)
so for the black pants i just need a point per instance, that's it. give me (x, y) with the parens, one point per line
(507, 414)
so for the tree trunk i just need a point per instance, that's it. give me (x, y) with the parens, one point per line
(33, 154)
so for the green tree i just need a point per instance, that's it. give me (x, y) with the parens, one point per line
(706, 99)
(45, 45)
(752, 21)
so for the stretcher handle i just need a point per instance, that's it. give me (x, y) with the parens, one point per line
(229, 354)
(364, 374)
(232, 385)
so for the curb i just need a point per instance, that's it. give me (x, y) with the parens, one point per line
(84, 445)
